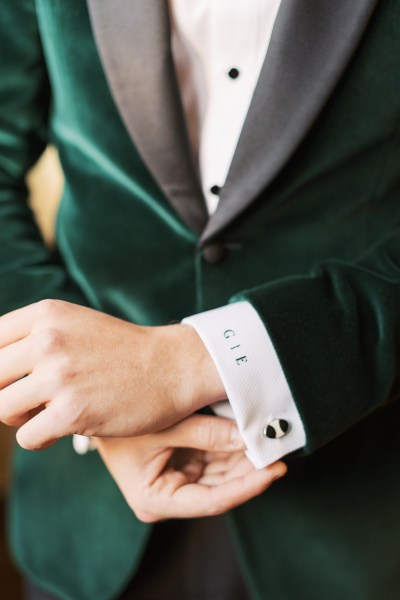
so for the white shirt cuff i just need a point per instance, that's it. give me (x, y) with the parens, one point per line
(82, 444)
(258, 393)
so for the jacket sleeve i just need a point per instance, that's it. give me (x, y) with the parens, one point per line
(336, 331)
(28, 270)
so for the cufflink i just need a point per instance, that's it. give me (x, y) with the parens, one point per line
(276, 429)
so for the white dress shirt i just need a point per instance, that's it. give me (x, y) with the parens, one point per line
(218, 48)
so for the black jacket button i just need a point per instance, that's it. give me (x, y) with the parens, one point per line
(214, 253)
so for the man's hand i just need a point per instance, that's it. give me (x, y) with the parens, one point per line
(194, 469)
(66, 369)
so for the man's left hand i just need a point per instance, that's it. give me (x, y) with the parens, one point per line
(196, 468)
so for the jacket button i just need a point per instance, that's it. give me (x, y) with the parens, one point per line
(276, 429)
(214, 253)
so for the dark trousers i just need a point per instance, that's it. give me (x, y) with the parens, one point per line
(185, 560)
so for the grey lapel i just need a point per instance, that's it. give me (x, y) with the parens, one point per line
(133, 39)
(312, 42)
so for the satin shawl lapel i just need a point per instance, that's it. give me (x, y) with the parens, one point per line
(312, 42)
(133, 39)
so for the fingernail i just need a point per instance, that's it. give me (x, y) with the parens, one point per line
(236, 439)
(279, 471)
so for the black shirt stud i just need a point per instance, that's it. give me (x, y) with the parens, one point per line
(233, 73)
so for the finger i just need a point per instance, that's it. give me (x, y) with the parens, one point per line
(46, 427)
(16, 361)
(222, 462)
(171, 481)
(19, 399)
(212, 457)
(196, 500)
(236, 469)
(231, 469)
(203, 432)
(16, 325)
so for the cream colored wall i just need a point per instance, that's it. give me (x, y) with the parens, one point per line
(45, 183)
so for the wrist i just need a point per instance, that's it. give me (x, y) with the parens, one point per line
(197, 377)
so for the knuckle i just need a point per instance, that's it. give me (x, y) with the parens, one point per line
(213, 432)
(204, 432)
(47, 308)
(49, 341)
(140, 503)
(144, 517)
(137, 507)
(225, 434)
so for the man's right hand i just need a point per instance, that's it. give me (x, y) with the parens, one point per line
(196, 468)
(67, 369)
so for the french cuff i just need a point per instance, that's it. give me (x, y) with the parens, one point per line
(259, 396)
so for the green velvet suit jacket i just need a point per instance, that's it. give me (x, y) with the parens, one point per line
(310, 223)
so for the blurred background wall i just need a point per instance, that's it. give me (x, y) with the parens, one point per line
(45, 183)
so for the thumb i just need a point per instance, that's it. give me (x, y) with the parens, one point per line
(204, 432)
